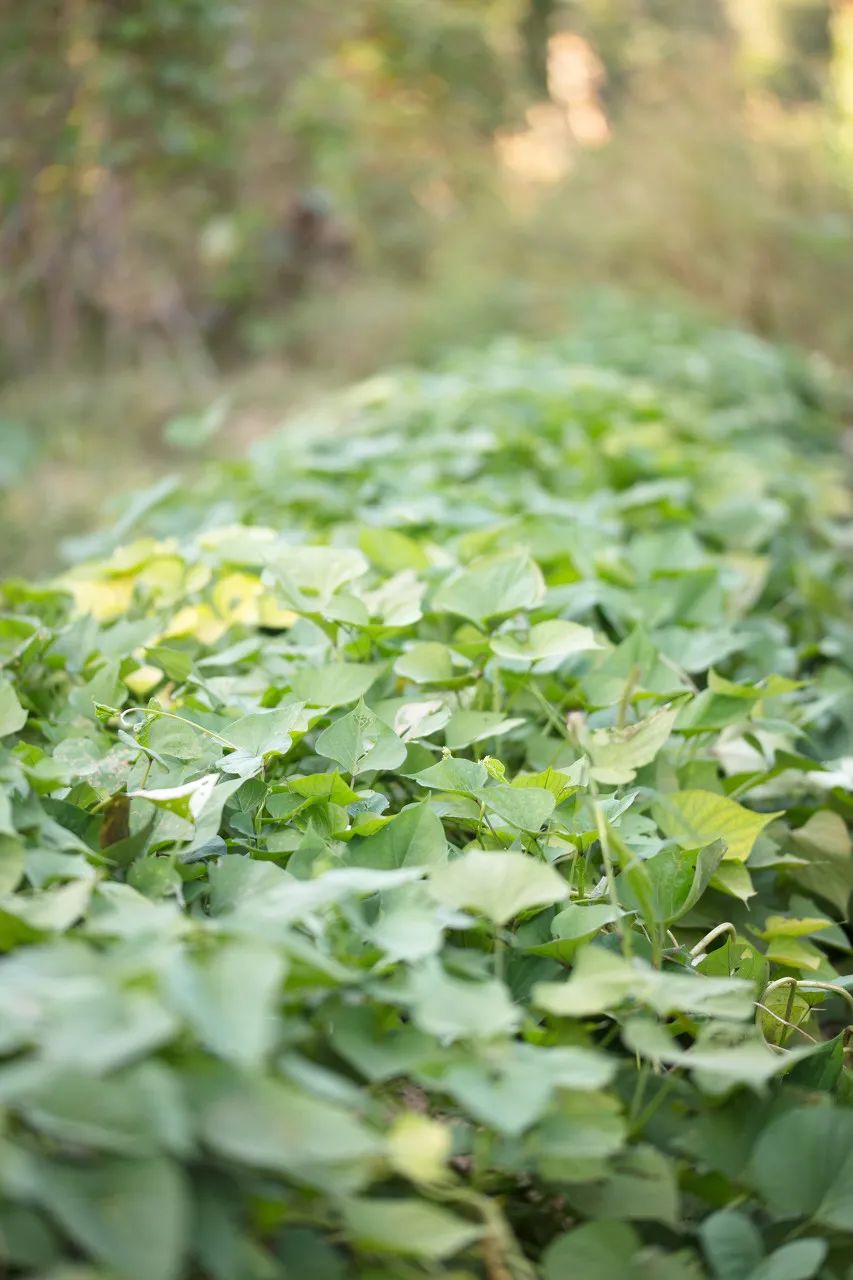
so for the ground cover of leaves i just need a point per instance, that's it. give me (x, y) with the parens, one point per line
(424, 846)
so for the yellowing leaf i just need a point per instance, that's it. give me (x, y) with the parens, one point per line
(143, 679)
(197, 620)
(789, 927)
(272, 614)
(236, 597)
(419, 1147)
(733, 878)
(105, 598)
(697, 818)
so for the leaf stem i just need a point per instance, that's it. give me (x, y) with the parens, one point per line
(170, 715)
(700, 951)
(607, 859)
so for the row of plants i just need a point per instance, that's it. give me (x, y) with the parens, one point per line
(424, 846)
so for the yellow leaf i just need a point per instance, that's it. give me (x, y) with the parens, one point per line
(419, 1147)
(697, 818)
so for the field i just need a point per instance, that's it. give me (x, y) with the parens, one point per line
(424, 839)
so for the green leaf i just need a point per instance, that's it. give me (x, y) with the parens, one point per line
(13, 717)
(733, 879)
(265, 1124)
(490, 586)
(310, 576)
(616, 754)
(229, 998)
(454, 1008)
(825, 842)
(642, 1185)
(426, 663)
(378, 1047)
(452, 774)
(317, 786)
(335, 684)
(409, 1228)
(823, 1068)
(678, 878)
(697, 818)
(11, 864)
(305, 1252)
(510, 1090)
(51, 910)
(360, 741)
(133, 1112)
(131, 1215)
(259, 892)
(803, 1166)
(594, 1251)
(721, 1058)
(264, 732)
(547, 643)
(466, 727)
(391, 550)
(497, 885)
(527, 808)
(583, 1131)
(799, 1260)
(602, 980)
(732, 1245)
(576, 923)
(414, 838)
(408, 927)
(176, 664)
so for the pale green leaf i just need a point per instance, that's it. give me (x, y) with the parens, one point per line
(335, 684)
(359, 741)
(466, 727)
(131, 1215)
(455, 1008)
(265, 1124)
(546, 643)
(490, 586)
(497, 885)
(616, 754)
(410, 1228)
(12, 715)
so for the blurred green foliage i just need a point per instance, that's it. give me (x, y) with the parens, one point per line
(176, 174)
(254, 200)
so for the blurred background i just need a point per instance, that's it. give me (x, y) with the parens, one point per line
(213, 210)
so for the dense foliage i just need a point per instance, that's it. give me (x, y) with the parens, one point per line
(424, 846)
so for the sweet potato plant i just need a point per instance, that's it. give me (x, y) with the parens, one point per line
(424, 846)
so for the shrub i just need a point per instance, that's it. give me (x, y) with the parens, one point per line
(424, 848)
